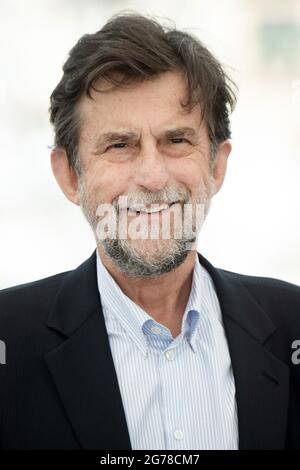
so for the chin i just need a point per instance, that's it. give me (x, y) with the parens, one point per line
(152, 248)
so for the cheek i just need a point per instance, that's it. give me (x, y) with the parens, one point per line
(191, 173)
(106, 181)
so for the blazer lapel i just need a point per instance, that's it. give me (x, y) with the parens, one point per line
(82, 365)
(261, 380)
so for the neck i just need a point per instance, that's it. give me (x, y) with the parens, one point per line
(163, 297)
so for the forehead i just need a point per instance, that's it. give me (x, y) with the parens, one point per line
(154, 102)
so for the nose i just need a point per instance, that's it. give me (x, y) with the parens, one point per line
(151, 171)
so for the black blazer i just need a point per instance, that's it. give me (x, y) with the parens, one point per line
(59, 389)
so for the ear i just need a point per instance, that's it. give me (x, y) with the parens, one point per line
(65, 176)
(220, 164)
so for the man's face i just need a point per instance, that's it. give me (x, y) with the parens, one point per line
(138, 141)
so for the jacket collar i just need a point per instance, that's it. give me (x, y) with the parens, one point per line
(82, 366)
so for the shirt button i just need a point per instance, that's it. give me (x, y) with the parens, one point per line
(169, 355)
(178, 434)
(156, 330)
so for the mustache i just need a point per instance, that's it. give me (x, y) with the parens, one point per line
(165, 196)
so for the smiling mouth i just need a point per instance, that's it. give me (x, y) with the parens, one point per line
(152, 209)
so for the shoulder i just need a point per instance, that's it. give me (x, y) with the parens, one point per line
(264, 284)
(28, 303)
(280, 299)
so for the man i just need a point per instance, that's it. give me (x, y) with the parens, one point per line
(146, 345)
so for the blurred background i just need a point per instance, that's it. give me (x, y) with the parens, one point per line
(253, 225)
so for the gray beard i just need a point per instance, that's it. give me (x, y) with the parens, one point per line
(130, 262)
(127, 258)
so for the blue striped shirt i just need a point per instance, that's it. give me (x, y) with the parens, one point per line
(176, 393)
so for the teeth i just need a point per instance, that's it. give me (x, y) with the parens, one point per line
(159, 208)
(150, 210)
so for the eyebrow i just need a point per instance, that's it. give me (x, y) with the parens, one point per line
(125, 136)
(110, 137)
(171, 133)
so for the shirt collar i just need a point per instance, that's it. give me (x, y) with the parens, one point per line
(136, 321)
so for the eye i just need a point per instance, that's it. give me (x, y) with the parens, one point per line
(178, 140)
(118, 145)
